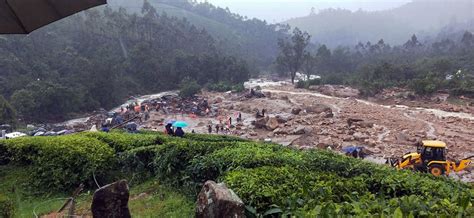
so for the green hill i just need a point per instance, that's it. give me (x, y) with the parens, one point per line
(252, 39)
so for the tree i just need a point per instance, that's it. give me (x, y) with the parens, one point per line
(309, 65)
(292, 52)
(189, 88)
(7, 113)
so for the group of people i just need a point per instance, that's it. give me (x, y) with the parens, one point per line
(224, 128)
(169, 130)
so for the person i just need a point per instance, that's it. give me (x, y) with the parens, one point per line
(239, 118)
(168, 129)
(217, 128)
(131, 127)
(105, 128)
(179, 132)
(209, 129)
(230, 121)
(263, 112)
(193, 132)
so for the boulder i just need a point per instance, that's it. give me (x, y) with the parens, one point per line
(299, 130)
(318, 108)
(272, 123)
(296, 111)
(281, 131)
(260, 123)
(111, 201)
(216, 200)
(360, 136)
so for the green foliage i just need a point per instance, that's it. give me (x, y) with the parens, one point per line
(52, 81)
(305, 84)
(224, 87)
(243, 155)
(174, 157)
(272, 180)
(7, 207)
(189, 88)
(60, 163)
(292, 52)
(125, 141)
(139, 161)
(213, 138)
(7, 113)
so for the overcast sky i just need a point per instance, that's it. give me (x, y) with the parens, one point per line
(280, 10)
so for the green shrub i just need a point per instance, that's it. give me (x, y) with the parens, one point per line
(7, 207)
(125, 141)
(189, 88)
(290, 188)
(244, 155)
(63, 162)
(139, 161)
(301, 84)
(238, 88)
(213, 138)
(173, 158)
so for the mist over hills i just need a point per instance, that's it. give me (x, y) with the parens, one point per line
(426, 18)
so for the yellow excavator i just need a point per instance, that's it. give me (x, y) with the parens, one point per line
(431, 158)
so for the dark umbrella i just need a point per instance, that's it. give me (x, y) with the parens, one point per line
(25, 16)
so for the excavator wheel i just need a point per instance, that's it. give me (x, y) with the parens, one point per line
(436, 169)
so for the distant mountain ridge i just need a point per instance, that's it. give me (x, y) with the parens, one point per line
(426, 18)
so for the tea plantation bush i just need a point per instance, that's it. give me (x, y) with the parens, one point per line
(125, 141)
(213, 138)
(60, 163)
(270, 179)
(7, 207)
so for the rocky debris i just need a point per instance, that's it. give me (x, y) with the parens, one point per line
(216, 200)
(336, 90)
(284, 118)
(359, 123)
(296, 110)
(260, 123)
(360, 136)
(111, 201)
(272, 123)
(318, 108)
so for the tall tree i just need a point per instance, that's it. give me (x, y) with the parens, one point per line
(310, 64)
(7, 113)
(292, 52)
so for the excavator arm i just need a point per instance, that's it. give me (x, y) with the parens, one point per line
(462, 164)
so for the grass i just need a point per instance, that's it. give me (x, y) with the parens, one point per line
(149, 199)
(14, 183)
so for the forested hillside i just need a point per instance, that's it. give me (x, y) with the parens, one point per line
(99, 58)
(425, 18)
(253, 39)
(373, 66)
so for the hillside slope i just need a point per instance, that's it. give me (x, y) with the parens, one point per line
(254, 40)
(422, 17)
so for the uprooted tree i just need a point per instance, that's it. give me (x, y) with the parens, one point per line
(292, 52)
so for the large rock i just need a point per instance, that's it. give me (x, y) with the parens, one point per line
(360, 136)
(111, 201)
(296, 111)
(272, 123)
(260, 123)
(318, 108)
(299, 130)
(216, 200)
